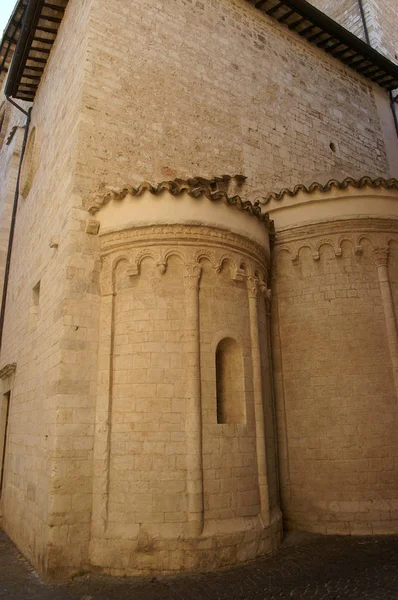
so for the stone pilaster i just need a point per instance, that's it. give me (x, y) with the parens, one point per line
(380, 256)
(103, 422)
(193, 397)
(253, 288)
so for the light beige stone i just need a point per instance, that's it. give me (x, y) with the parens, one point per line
(118, 302)
(336, 358)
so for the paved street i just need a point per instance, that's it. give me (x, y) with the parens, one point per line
(306, 567)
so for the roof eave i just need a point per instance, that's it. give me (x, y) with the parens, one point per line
(322, 31)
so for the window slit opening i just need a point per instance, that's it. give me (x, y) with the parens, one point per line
(231, 407)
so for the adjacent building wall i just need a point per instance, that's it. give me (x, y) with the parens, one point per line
(47, 493)
(346, 12)
(381, 18)
(380, 15)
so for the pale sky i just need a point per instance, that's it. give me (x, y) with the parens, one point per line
(6, 8)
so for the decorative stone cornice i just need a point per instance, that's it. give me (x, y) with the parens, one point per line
(172, 235)
(7, 370)
(223, 252)
(196, 188)
(333, 184)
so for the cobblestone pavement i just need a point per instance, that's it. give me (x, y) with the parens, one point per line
(306, 567)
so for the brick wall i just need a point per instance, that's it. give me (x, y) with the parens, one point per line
(215, 87)
(381, 20)
(345, 12)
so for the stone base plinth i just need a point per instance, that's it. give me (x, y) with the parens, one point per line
(143, 557)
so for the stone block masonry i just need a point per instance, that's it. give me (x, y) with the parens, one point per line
(380, 16)
(115, 458)
(336, 363)
(218, 89)
(178, 482)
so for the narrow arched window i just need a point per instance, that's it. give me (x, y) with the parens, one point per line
(230, 383)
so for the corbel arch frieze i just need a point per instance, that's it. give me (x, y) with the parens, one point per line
(138, 257)
(354, 242)
(333, 243)
(297, 249)
(358, 241)
(172, 252)
(189, 243)
(109, 266)
(278, 251)
(226, 259)
(208, 239)
(364, 240)
(208, 255)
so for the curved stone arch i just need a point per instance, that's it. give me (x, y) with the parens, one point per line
(367, 237)
(297, 250)
(230, 392)
(119, 258)
(146, 253)
(226, 332)
(279, 250)
(364, 236)
(207, 255)
(278, 257)
(345, 238)
(391, 240)
(173, 252)
(166, 255)
(245, 266)
(326, 242)
(227, 258)
(329, 242)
